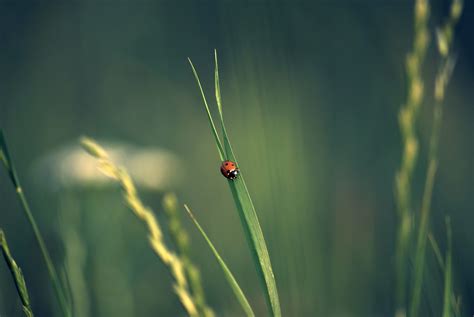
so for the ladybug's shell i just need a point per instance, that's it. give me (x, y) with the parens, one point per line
(229, 169)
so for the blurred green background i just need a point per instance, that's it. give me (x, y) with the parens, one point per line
(311, 93)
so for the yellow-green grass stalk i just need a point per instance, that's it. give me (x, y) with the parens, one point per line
(17, 275)
(243, 202)
(181, 240)
(144, 213)
(444, 40)
(239, 294)
(53, 275)
(407, 121)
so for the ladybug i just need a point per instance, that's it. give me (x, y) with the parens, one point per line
(229, 169)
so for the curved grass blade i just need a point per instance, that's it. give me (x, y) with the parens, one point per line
(17, 275)
(248, 215)
(228, 274)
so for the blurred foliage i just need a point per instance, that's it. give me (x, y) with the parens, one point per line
(312, 91)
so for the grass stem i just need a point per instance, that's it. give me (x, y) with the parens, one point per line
(58, 289)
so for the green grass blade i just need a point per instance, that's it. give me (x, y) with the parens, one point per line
(209, 116)
(422, 238)
(217, 86)
(454, 300)
(228, 274)
(254, 235)
(448, 286)
(248, 215)
(179, 236)
(9, 166)
(17, 275)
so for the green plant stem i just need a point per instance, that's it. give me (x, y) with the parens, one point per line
(422, 237)
(39, 238)
(239, 294)
(146, 215)
(455, 300)
(448, 283)
(408, 117)
(47, 258)
(181, 240)
(442, 79)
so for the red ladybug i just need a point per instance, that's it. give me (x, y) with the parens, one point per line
(229, 170)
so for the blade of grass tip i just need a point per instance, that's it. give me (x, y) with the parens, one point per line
(228, 274)
(249, 218)
(448, 288)
(8, 163)
(17, 275)
(209, 116)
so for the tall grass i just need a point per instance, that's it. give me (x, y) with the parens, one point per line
(448, 273)
(17, 275)
(53, 275)
(155, 235)
(451, 302)
(181, 240)
(444, 41)
(243, 202)
(239, 294)
(407, 119)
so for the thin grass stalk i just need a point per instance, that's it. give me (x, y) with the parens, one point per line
(53, 275)
(144, 213)
(407, 121)
(181, 239)
(441, 82)
(436, 251)
(422, 238)
(448, 283)
(17, 275)
(239, 294)
(455, 300)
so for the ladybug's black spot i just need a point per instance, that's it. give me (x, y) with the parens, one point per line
(226, 164)
(233, 174)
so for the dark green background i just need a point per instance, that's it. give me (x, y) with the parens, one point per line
(311, 93)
